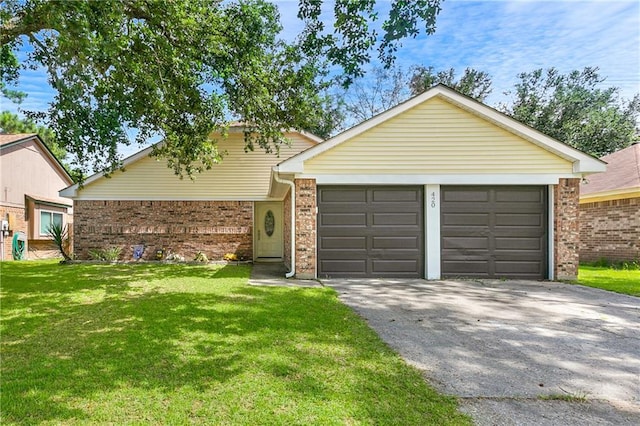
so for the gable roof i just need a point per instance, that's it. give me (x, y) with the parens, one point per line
(622, 175)
(582, 162)
(9, 140)
(6, 139)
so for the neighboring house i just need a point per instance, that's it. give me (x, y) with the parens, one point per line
(438, 186)
(30, 178)
(610, 210)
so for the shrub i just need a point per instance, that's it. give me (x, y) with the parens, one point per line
(110, 254)
(60, 236)
(201, 257)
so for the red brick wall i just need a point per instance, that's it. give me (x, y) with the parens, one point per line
(566, 229)
(610, 230)
(305, 228)
(186, 227)
(20, 224)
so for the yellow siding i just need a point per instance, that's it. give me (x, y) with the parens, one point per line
(240, 176)
(436, 137)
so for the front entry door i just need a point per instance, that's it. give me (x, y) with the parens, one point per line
(268, 225)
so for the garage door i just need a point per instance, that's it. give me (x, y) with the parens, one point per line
(370, 231)
(493, 232)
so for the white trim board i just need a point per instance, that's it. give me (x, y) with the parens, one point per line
(448, 179)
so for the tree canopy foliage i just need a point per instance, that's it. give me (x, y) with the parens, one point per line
(385, 88)
(473, 83)
(10, 123)
(573, 108)
(183, 69)
(381, 90)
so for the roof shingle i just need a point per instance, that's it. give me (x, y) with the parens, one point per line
(623, 172)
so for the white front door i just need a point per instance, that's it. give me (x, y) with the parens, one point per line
(268, 226)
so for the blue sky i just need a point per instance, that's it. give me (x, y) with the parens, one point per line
(501, 37)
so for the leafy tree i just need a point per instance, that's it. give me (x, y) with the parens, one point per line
(9, 74)
(574, 109)
(387, 87)
(473, 83)
(183, 69)
(332, 117)
(11, 123)
(384, 89)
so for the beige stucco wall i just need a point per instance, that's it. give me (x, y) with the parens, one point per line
(26, 169)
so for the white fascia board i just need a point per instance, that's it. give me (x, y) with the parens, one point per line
(442, 179)
(613, 194)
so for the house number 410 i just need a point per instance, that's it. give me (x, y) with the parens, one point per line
(433, 200)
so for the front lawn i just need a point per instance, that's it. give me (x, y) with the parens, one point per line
(626, 281)
(176, 344)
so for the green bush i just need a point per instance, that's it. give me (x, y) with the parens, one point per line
(110, 254)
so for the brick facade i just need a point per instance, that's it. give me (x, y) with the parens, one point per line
(610, 230)
(305, 228)
(566, 229)
(185, 227)
(18, 215)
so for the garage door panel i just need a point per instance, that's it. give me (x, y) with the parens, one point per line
(517, 268)
(392, 233)
(490, 235)
(394, 196)
(476, 268)
(345, 267)
(343, 243)
(520, 195)
(400, 266)
(395, 219)
(344, 219)
(518, 243)
(468, 242)
(465, 196)
(534, 220)
(396, 243)
(351, 196)
(466, 219)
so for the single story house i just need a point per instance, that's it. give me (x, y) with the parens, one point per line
(30, 178)
(610, 209)
(438, 186)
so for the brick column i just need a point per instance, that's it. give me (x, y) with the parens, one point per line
(566, 229)
(305, 228)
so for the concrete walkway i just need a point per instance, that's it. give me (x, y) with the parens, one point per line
(273, 275)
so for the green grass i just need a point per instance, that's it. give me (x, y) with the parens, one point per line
(175, 344)
(625, 281)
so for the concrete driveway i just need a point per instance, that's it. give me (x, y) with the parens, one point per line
(514, 352)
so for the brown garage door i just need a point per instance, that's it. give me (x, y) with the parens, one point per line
(494, 231)
(370, 231)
